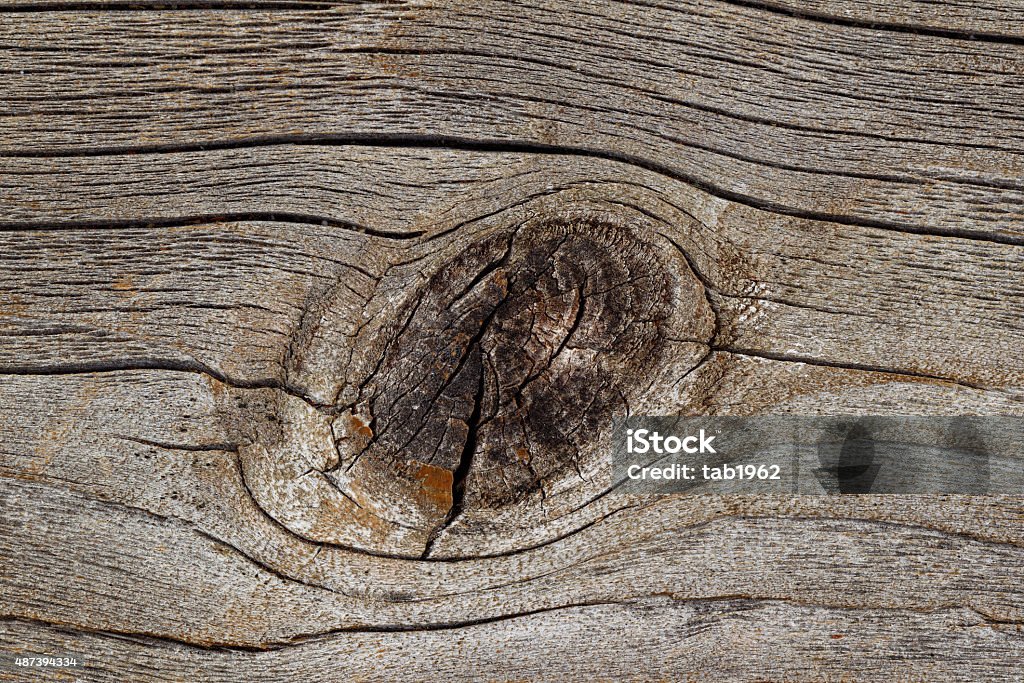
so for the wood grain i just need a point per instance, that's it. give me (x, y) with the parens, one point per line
(990, 22)
(848, 124)
(314, 318)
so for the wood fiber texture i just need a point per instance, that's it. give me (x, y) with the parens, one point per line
(314, 318)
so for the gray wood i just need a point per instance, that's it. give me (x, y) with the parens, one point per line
(294, 300)
(860, 644)
(990, 21)
(803, 117)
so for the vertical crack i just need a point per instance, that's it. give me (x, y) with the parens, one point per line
(461, 474)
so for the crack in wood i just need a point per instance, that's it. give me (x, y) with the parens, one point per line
(159, 223)
(512, 146)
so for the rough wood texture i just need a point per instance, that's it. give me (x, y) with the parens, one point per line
(314, 319)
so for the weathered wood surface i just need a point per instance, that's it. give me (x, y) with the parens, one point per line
(313, 320)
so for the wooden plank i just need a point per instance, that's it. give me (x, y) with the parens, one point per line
(799, 117)
(314, 319)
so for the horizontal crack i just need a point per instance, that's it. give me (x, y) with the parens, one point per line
(889, 26)
(151, 638)
(169, 365)
(297, 639)
(850, 22)
(807, 360)
(163, 6)
(523, 146)
(198, 448)
(58, 224)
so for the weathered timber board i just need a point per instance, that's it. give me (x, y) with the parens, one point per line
(291, 295)
(804, 117)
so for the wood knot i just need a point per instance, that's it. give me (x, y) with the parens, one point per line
(496, 381)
